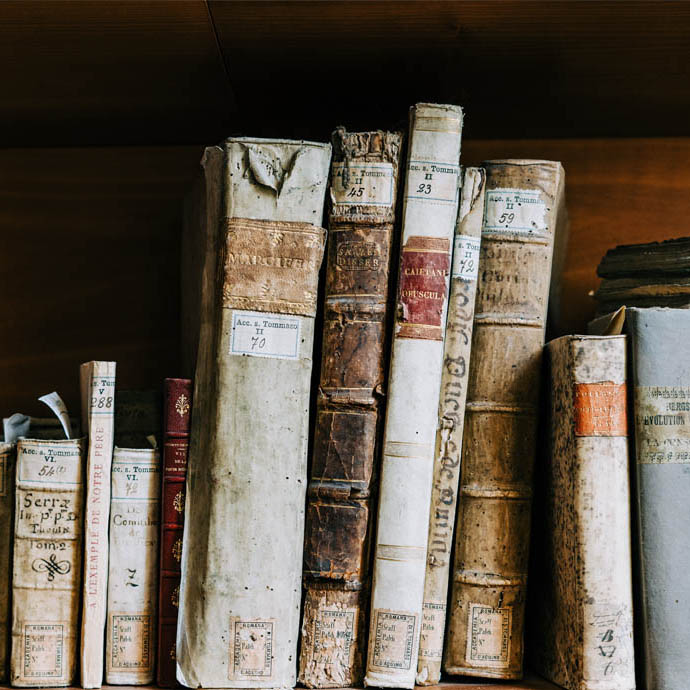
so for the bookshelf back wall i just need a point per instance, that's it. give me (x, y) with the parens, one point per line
(89, 248)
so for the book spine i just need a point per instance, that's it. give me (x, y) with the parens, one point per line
(247, 475)
(133, 572)
(430, 207)
(451, 417)
(97, 382)
(7, 461)
(485, 634)
(46, 583)
(177, 410)
(661, 377)
(363, 186)
(583, 611)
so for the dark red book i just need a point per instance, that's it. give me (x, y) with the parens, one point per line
(177, 416)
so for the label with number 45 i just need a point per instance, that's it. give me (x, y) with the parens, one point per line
(260, 334)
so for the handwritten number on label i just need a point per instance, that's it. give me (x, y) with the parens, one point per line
(258, 343)
(506, 218)
(100, 403)
(356, 192)
(424, 189)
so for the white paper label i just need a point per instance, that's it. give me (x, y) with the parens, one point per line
(488, 635)
(514, 210)
(362, 183)
(430, 181)
(265, 335)
(465, 257)
(662, 424)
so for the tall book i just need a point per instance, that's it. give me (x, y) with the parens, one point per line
(247, 474)
(524, 207)
(97, 382)
(660, 357)
(7, 459)
(178, 413)
(133, 568)
(430, 206)
(451, 419)
(581, 611)
(47, 568)
(363, 186)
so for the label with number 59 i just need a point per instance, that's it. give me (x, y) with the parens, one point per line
(514, 210)
(260, 334)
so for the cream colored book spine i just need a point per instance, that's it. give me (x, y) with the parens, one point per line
(133, 568)
(97, 380)
(7, 460)
(46, 584)
(429, 214)
(247, 470)
(451, 419)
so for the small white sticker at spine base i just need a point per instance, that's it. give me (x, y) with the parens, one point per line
(465, 257)
(260, 334)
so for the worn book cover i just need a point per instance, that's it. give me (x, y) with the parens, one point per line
(247, 471)
(451, 419)
(47, 568)
(523, 212)
(430, 206)
(130, 641)
(581, 604)
(97, 382)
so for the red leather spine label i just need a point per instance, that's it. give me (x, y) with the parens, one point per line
(600, 409)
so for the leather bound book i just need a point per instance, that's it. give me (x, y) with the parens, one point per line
(451, 418)
(7, 458)
(47, 568)
(524, 207)
(97, 382)
(178, 412)
(581, 588)
(247, 474)
(430, 206)
(133, 581)
(364, 177)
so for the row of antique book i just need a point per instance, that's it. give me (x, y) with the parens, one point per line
(443, 443)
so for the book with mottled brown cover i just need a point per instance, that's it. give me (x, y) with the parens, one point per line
(363, 186)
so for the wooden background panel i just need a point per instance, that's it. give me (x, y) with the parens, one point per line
(521, 68)
(89, 267)
(111, 72)
(619, 191)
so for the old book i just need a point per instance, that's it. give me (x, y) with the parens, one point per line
(430, 207)
(97, 381)
(247, 475)
(451, 419)
(650, 259)
(523, 212)
(7, 459)
(47, 568)
(133, 567)
(178, 413)
(661, 378)
(581, 608)
(363, 187)
(138, 415)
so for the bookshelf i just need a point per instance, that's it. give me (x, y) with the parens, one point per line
(107, 106)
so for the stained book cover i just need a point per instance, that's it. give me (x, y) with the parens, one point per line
(130, 640)
(7, 462)
(363, 193)
(581, 603)
(47, 567)
(523, 213)
(451, 417)
(178, 413)
(430, 205)
(259, 247)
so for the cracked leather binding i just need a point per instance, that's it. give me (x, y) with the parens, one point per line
(580, 613)
(523, 201)
(363, 185)
(262, 247)
(430, 206)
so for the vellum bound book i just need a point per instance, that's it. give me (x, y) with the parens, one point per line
(581, 608)
(363, 189)
(46, 586)
(524, 210)
(247, 469)
(430, 208)
(451, 419)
